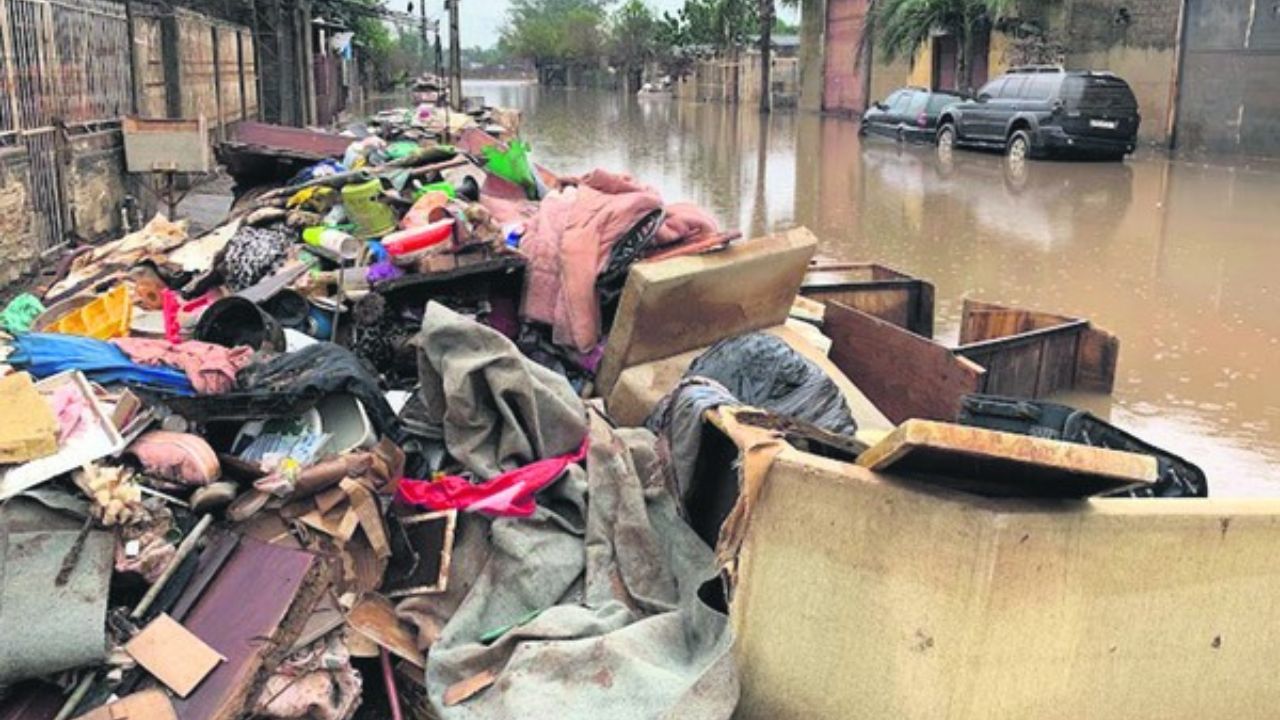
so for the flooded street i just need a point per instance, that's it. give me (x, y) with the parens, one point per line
(1177, 259)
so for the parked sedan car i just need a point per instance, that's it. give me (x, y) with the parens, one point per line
(1041, 110)
(908, 114)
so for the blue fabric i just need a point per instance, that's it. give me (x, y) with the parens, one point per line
(46, 354)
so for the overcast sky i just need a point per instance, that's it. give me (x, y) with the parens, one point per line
(480, 19)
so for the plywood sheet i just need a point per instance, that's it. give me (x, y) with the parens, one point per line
(1000, 464)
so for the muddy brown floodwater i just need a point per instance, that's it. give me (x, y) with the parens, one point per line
(1178, 259)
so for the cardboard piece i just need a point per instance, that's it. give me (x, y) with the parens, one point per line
(421, 551)
(676, 305)
(1001, 464)
(174, 655)
(151, 704)
(374, 617)
(864, 597)
(28, 429)
(468, 688)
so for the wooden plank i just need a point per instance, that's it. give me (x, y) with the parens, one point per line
(243, 616)
(1000, 464)
(904, 375)
(683, 303)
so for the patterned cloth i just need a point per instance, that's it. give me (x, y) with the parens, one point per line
(254, 253)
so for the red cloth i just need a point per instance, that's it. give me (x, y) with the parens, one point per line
(509, 494)
(211, 368)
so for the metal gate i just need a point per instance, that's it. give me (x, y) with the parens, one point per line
(1229, 96)
(66, 71)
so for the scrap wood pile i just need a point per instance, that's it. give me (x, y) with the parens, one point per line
(333, 459)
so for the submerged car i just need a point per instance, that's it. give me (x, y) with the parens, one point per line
(1040, 111)
(910, 113)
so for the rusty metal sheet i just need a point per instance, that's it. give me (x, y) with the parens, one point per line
(291, 141)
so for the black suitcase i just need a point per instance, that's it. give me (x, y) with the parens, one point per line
(1178, 478)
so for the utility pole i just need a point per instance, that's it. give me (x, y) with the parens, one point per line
(455, 56)
(426, 47)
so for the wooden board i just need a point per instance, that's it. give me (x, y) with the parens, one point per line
(683, 303)
(875, 290)
(1000, 464)
(245, 615)
(904, 375)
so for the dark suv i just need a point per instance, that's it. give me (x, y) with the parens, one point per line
(1042, 110)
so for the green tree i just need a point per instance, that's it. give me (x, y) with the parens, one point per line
(901, 26)
(633, 41)
(555, 32)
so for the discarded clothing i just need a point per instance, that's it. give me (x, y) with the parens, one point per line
(21, 313)
(763, 371)
(616, 574)
(509, 494)
(254, 253)
(46, 354)
(287, 385)
(498, 409)
(569, 242)
(678, 420)
(211, 368)
(315, 683)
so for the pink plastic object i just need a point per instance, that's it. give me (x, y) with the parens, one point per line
(419, 238)
(172, 309)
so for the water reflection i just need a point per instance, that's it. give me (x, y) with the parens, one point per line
(1177, 259)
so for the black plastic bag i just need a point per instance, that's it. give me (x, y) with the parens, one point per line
(1177, 477)
(763, 371)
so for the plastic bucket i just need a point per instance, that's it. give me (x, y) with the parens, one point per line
(365, 208)
(234, 321)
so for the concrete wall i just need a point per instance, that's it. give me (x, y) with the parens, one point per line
(1137, 40)
(864, 596)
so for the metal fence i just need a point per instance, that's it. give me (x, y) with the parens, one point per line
(65, 68)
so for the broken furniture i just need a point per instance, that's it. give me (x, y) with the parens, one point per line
(672, 310)
(169, 147)
(259, 153)
(858, 594)
(874, 289)
(1003, 351)
(993, 463)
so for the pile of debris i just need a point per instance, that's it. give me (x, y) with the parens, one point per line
(423, 431)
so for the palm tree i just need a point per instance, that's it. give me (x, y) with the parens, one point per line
(903, 25)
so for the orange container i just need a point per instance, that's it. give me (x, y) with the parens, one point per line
(106, 317)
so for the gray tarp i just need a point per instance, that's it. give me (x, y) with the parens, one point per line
(606, 559)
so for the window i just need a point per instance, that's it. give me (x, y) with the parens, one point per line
(938, 101)
(893, 98)
(1040, 87)
(992, 89)
(1095, 92)
(899, 106)
(918, 102)
(1013, 87)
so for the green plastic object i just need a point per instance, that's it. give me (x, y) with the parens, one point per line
(402, 149)
(365, 207)
(513, 165)
(21, 313)
(444, 187)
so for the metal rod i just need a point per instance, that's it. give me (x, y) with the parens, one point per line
(185, 549)
(389, 678)
(76, 696)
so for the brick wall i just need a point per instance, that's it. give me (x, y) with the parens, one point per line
(17, 245)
